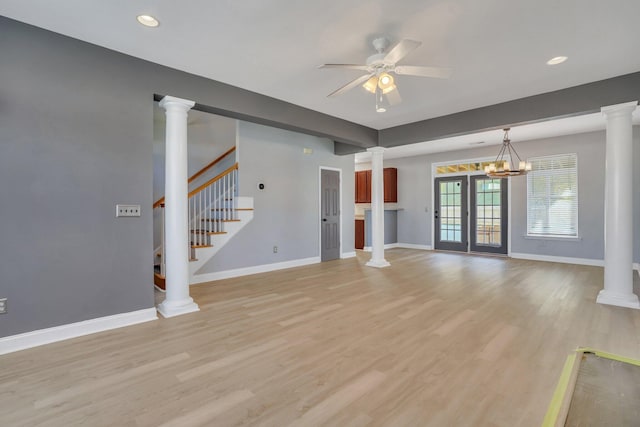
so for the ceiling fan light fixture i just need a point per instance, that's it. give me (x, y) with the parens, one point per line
(371, 84)
(385, 81)
(382, 103)
(389, 89)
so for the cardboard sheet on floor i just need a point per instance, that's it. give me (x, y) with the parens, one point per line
(596, 389)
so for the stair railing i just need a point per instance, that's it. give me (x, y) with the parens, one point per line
(201, 172)
(159, 204)
(210, 205)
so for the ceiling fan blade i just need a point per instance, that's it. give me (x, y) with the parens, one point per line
(348, 66)
(394, 97)
(401, 50)
(351, 85)
(411, 70)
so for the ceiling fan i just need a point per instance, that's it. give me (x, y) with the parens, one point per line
(379, 68)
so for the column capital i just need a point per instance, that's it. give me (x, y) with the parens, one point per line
(625, 108)
(173, 102)
(376, 150)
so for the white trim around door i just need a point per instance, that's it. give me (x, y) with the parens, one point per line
(320, 169)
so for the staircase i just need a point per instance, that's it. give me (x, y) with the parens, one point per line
(216, 214)
(226, 222)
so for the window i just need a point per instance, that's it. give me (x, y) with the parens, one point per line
(552, 196)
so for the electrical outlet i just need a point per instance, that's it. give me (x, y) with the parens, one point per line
(3, 305)
(275, 249)
(127, 210)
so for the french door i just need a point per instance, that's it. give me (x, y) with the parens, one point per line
(483, 228)
(450, 213)
(489, 214)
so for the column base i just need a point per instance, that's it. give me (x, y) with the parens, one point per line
(378, 263)
(176, 308)
(620, 300)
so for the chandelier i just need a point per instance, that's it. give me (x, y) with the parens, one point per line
(504, 165)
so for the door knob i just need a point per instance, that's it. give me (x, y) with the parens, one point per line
(324, 219)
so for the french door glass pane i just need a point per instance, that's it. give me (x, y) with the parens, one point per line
(450, 216)
(488, 230)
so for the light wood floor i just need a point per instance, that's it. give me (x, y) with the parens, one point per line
(437, 339)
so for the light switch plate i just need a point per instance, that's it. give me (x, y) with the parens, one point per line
(127, 210)
(3, 305)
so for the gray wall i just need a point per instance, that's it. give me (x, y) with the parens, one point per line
(590, 148)
(415, 195)
(76, 137)
(390, 227)
(286, 212)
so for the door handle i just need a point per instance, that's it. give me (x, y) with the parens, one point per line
(324, 219)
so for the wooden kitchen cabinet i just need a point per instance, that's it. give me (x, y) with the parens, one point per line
(359, 243)
(363, 186)
(390, 176)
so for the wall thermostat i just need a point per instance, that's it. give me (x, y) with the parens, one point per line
(261, 186)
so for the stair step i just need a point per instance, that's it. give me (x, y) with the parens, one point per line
(159, 281)
(210, 233)
(220, 220)
(194, 246)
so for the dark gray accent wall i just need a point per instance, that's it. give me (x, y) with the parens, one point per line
(76, 137)
(577, 100)
(287, 210)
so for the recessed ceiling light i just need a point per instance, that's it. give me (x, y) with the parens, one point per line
(556, 60)
(148, 20)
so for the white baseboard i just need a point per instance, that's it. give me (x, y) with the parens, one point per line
(346, 255)
(560, 259)
(228, 274)
(414, 246)
(387, 246)
(402, 245)
(73, 330)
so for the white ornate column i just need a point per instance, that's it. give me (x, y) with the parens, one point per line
(377, 209)
(176, 225)
(618, 208)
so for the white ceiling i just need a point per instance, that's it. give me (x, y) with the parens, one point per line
(496, 48)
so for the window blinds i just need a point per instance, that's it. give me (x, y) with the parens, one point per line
(552, 196)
